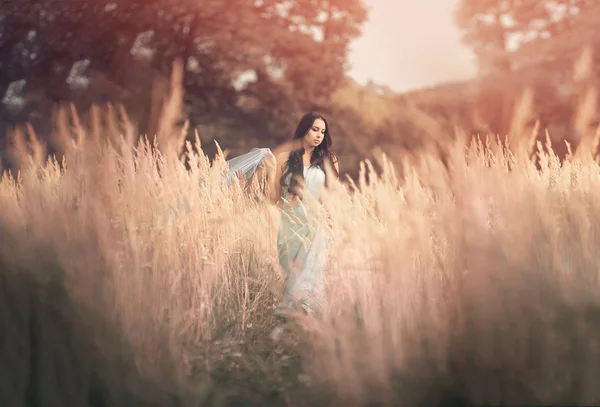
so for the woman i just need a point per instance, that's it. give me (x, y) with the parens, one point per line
(297, 184)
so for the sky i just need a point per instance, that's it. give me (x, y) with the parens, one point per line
(410, 44)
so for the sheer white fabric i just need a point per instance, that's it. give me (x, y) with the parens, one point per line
(246, 164)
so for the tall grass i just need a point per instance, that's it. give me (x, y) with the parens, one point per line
(469, 280)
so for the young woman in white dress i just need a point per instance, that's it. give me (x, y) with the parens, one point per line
(297, 183)
(297, 179)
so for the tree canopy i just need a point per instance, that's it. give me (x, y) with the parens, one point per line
(258, 57)
(508, 34)
(533, 43)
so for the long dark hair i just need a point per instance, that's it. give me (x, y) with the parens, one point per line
(321, 155)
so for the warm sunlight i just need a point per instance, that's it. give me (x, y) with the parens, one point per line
(408, 45)
(299, 203)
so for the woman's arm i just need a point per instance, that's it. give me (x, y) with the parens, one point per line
(336, 164)
(276, 174)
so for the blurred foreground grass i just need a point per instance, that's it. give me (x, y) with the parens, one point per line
(131, 276)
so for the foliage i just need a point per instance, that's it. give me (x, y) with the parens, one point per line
(263, 58)
(551, 30)
(547, 47)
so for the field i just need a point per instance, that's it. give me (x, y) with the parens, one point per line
(131, 276)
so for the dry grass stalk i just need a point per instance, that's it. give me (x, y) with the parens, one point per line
(472, 280)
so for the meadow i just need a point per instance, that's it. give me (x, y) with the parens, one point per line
(131, 275)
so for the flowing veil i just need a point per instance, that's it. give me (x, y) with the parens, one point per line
(246, 164)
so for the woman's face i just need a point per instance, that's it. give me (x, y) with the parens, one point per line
(316, 134)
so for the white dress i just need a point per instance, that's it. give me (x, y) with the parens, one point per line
(302, 244)
(301, 241)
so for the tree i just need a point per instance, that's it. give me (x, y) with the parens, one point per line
(498, 29)
(521, 43)
(249, 56)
